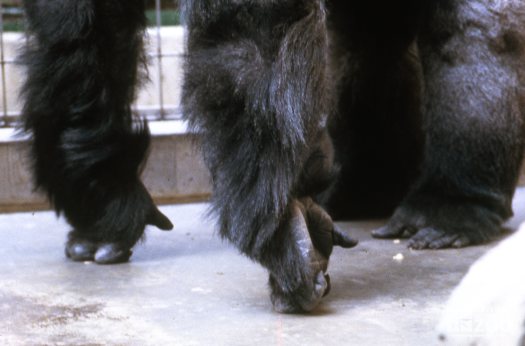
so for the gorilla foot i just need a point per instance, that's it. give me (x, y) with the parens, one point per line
(425, 238)
(81, 250)
(302, 281)
(303, 299)
(91, 244)
(442, 226)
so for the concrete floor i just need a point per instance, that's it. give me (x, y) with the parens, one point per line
(187, 287)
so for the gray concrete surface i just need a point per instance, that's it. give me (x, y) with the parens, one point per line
(187, 287)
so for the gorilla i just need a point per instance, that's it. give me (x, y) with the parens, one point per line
(355, 109)
(309, 111)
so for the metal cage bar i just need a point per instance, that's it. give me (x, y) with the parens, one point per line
(4, 119)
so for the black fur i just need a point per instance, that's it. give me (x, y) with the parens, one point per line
(423, 101)
(357, 106)
(257, 86)
(87, 151)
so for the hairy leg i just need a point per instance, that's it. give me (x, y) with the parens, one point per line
(256, 86)
(473, 67)
(87, 151)
(377, 128)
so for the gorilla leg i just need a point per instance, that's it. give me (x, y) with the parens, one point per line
(377, 130)
(256, 86)
(472, 56)
(81, 62)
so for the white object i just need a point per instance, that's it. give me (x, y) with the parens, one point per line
(488, 306)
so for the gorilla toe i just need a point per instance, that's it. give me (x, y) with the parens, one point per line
(431, 238)
(79, 249)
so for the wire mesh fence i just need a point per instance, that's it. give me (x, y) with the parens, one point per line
(10, 16)
(156, 100)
